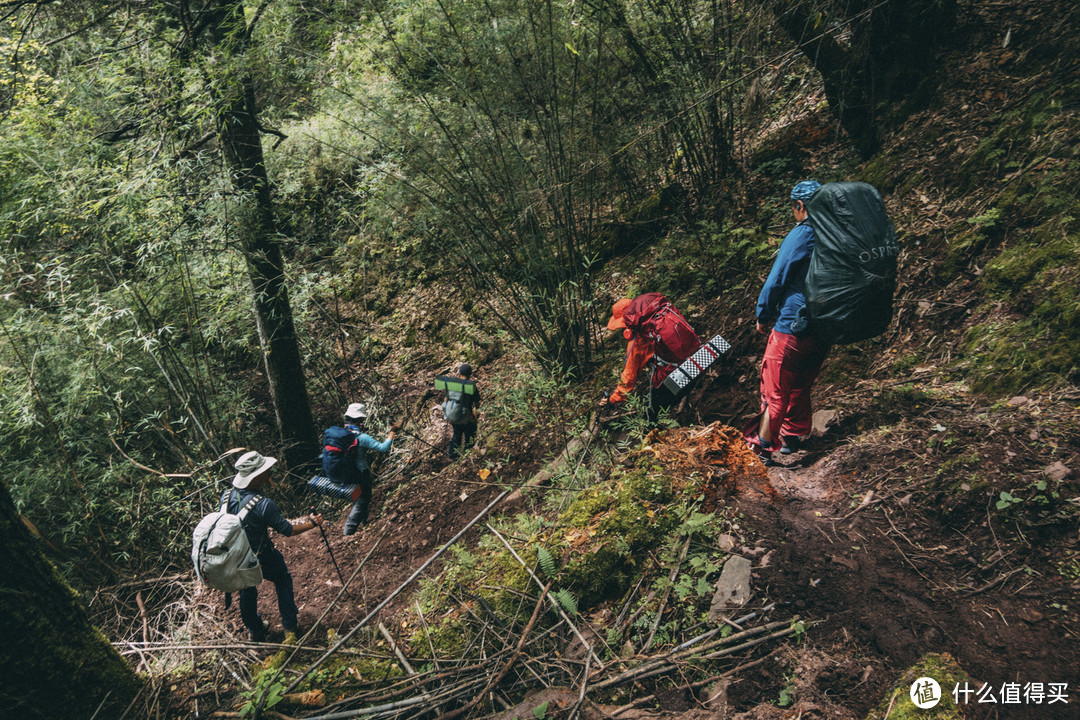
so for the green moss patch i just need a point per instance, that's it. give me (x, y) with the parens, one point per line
(1037, 339)
(898, 705)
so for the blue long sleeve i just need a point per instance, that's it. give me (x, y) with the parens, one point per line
(365, 442)
(783, 296)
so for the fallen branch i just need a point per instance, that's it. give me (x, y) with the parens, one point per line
(396, 650)
(145, 582)
(997, 581)
(668, 660)
(554, 603)
(509, 663)
(667, 593)
(401, 588)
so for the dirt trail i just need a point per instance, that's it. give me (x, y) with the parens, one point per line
(882, 599)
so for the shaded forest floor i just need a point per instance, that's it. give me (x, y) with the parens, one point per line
(925, 518)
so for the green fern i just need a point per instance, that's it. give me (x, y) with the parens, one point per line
(547, 563)
(566, 600)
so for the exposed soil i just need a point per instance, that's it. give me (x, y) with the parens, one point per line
(426, 501)
(886, 585)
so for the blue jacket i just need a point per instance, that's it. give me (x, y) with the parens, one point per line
(365, 443)
(783, 293)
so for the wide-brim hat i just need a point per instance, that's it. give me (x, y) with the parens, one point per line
(250, 466)
(617, 310)
(356, 411)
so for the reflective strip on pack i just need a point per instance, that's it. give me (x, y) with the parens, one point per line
(689, 369)
(465, 387)
(323, 485)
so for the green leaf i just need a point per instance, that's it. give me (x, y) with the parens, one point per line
(540, 710)
(571, 49)
(546, 562)
(567, 601)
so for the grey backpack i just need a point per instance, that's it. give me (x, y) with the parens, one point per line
(457, 408)
(221, 551)
(456, 411)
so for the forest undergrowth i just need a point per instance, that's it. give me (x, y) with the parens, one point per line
(569, 566)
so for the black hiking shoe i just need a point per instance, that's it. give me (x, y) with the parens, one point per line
(790, 444)
(260, 634)
(764, 455)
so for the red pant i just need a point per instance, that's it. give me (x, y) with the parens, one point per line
(788, 370)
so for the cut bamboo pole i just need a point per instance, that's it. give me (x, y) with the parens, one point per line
(401, 588)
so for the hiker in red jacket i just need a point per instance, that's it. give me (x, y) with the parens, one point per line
(657, 334)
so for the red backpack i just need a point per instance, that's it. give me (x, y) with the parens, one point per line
(653, 316)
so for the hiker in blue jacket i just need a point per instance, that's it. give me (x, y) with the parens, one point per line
(252, 473)
(793, 356)
(344, 460)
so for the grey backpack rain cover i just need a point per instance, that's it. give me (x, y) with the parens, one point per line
(852, 274)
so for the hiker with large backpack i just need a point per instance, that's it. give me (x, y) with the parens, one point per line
(659, 336)
(462, 396)
(344, 459)
(256, 514)
(832, 282)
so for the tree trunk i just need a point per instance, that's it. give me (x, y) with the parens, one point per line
(890, 53)
(241, 142)
(56, 664)
(841, 73)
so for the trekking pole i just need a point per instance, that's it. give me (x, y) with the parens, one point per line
(329, 550)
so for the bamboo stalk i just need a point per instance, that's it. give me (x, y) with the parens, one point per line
(397, 651)
(667, 593)
(671, 657)
(508, 664)
(713, 656)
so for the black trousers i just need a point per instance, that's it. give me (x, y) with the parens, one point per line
(274, 570)
(464, 435)
(660, 398)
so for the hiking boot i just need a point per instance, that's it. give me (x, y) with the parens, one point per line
(764, 455)
(358, 517)
(260, 634)
(790, 444)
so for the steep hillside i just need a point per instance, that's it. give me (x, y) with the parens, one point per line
(935, 510)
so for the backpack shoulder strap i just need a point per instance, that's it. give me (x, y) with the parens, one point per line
(248, 506)
(225, 500)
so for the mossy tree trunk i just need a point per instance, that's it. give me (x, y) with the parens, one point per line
(56, 664)
(241, 142)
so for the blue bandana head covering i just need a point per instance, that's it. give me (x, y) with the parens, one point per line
(804, 190)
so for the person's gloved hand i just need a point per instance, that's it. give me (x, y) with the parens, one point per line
(613, 399)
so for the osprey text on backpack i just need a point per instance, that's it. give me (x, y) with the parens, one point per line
(852, 274)
(220, 550)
